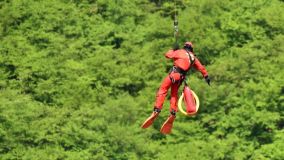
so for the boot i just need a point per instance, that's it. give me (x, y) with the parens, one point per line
(149, 121)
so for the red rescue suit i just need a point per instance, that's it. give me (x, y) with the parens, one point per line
(182, 63)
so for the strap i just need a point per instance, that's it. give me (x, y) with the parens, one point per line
(176, 24)
(191, 58)
(178, 70)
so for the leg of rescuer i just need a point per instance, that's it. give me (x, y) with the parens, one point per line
(177, 79)
(160, 98)
(162, 92)
(168, 124)
(173, 80)
(174, 96)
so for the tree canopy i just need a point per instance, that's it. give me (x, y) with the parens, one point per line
(78, 78)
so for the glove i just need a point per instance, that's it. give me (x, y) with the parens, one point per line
(207, 79)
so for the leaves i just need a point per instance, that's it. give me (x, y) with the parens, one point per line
(77, 79)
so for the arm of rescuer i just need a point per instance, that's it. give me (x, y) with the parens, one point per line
(170, 54)
(197, 64)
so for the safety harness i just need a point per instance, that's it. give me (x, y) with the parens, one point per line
(181, 71)
(191, 58)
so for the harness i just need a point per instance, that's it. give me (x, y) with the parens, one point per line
(178, 70)
(191, 58)
(181, 71)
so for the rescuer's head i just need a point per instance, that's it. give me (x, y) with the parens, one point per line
(188, 46)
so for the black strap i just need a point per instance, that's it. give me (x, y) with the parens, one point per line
(191, 59)
(179, 70)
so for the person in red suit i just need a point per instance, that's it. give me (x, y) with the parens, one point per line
(183, 60)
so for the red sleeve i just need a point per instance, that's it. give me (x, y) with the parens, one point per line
(200, 67)
(170, 54)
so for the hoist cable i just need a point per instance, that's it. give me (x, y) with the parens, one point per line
(175, 22)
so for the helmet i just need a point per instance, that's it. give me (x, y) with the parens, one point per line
(188, 44)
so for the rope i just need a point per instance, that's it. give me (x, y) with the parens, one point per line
(175, 46)
(175, 24)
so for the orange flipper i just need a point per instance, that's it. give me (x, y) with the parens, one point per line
(168, 125)
(149, 121)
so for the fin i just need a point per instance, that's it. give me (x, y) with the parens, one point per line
(168, 125)
(149, 121)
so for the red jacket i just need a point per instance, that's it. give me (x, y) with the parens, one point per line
(181, 60)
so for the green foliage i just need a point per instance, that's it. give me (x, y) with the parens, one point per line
(78, 77)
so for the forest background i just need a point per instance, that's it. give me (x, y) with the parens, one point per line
(78, 78)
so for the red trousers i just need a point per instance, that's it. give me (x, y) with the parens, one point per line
(173, 80)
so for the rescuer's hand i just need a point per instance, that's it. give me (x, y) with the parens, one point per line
(207, 79)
